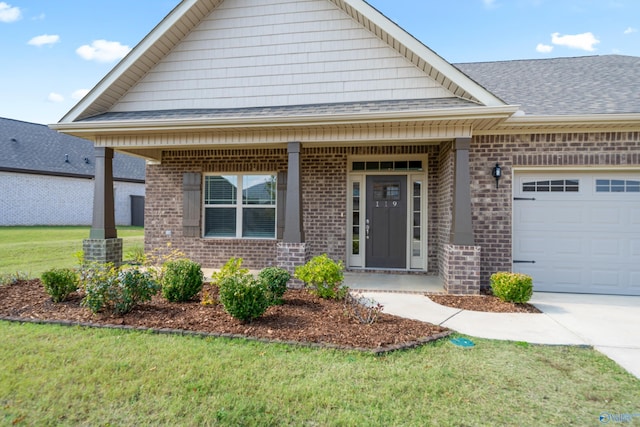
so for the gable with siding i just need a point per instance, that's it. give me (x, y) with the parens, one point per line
(249, 53)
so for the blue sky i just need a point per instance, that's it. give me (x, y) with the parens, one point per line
(54, 51)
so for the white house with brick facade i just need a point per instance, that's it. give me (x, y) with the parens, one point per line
(279, 130)
(46, 178)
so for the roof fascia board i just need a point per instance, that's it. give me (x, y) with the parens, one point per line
(428, 55)
(138, 51)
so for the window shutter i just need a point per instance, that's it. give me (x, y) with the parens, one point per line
(191, 208)
(281, 202)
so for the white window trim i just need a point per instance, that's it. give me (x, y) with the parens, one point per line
(239, 206)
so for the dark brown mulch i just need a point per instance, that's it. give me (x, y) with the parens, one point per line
(303, 318)
(488, 303)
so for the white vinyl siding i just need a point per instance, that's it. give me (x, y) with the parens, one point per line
(278, 52)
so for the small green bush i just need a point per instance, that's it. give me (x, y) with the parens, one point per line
(8, 279)
(118, 291)
(59, 283)
(323, 277)
(275, 280)
(233, 267)
(243, 297)
(182, 280)
(512, 287)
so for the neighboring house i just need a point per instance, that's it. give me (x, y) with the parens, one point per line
(46, 178)
(382, 153)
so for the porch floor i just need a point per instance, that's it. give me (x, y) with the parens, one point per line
(390, 282)
(381, 282)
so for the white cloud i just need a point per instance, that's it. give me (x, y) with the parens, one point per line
(40, 17)
(103, 51)
(55, 97)
(79, 94)
(544, 48)
(489, 4)
(44, 39)
(9, 13)
(584, 41)
(630, 30)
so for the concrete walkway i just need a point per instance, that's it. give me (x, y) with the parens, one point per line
(611, 324)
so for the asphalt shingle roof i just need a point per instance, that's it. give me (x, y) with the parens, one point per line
(36, 148)
(608, 84)
(288, 110)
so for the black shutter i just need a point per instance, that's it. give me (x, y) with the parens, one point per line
(281, 202)
(191, 204)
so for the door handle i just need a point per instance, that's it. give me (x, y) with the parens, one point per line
(366, 229)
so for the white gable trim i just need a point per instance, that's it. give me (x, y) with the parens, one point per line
(431, 62)
(188, 13)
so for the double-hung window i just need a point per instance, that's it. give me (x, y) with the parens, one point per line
(240, 206)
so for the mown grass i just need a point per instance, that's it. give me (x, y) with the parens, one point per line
(33, 250)
(54, 375)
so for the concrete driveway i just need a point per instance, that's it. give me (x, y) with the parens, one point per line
(609, 323)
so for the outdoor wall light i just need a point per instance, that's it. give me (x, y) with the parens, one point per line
(496, 172)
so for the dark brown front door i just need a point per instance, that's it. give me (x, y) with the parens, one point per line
(386, 222)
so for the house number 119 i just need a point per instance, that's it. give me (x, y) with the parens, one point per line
(386, 204)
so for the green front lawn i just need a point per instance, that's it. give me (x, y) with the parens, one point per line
(55, 375)
(33, 250)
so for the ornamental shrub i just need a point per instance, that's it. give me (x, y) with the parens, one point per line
(512, 287)
(232, 268)
(243, 297)
(323, 277)
(275, 280)
(117, 291)
(182, 280)
(59, 283)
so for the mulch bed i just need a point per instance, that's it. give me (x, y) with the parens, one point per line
(487, 303)
(302, 319)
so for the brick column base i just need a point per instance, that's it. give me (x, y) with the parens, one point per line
(289, 256)
(461, 269)
(103, 250)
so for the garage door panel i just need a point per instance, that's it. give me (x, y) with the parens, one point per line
(607, 248)
(586, 241)
(606, 278)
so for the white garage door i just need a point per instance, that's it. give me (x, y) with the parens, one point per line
(578, 231)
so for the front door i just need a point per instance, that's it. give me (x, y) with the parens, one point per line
(386, 222)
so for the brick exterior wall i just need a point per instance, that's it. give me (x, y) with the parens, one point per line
(492, 208)
(28, 199)
(163, 205)
(324, 183)
(324, 186)
(103, 250)
(461, 269)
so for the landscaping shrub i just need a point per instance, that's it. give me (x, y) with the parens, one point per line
(118, 291)
(243, 297)
(230, 269)
(363, 310)
(512, 287)
(323, 277)
(275, 280)
(8, 279)
(59, 283)
(182, 280)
